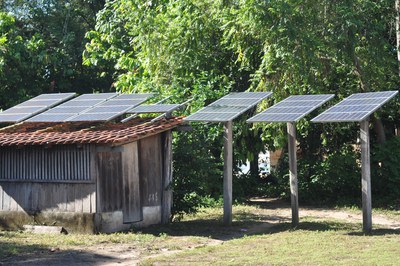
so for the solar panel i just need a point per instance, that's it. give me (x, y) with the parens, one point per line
(154, 108)
(228, 107)
(96, 96)
(111, 108)
(356, 107)
(72, 108)
(33, 106)
(292, 108)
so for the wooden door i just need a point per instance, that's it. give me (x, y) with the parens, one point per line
(131, 207)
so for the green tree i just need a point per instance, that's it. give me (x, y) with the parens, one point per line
(204, 49)
(43, 48)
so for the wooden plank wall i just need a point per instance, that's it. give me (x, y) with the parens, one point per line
(132, 207)
(109, 182)
(167, 177)
(55, 197)
(150, 169)
(37, 163)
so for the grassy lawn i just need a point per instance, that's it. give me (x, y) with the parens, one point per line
(258, 236)
(322, 243)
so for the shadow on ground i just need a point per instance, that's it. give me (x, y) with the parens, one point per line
(377, 232)
(248, 224)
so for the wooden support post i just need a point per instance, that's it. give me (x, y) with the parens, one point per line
(228, 157)
(291, 129)
(366, 176)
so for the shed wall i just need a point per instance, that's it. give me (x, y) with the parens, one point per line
(33, 197)
(62, 163)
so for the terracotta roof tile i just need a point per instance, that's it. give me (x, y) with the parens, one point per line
(82, 133)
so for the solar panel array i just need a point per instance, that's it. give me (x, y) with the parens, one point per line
(229, 107)
(112, 108)
(33, 107)
(72, 108)
(356, 107)
(292, 108)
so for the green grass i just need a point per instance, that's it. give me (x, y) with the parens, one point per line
(312, 243)
(202, 239)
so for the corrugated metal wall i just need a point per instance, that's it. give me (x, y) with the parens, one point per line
(36, 163)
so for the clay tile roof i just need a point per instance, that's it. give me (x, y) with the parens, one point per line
(84, 133)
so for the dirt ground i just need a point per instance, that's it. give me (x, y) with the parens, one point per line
(270, 214)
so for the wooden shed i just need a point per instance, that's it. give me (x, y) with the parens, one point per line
(86, 177)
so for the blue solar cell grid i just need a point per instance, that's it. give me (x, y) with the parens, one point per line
(154, 108)
(292, 108)
(72, 108)
(355, 108)
(112, 108)
(33, 107)
(228, 107)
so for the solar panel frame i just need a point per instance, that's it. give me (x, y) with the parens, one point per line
(34, 106)
(228, 107)
(291, 109)
(346, 110)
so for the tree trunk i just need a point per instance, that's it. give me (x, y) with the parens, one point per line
(397, 7)
(254, 168)
(379, 129)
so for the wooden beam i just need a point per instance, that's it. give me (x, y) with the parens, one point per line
(228, 157)
(291, 129)
(366, 176)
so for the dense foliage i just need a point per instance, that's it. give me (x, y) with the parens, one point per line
(41, 45)
(203, 49)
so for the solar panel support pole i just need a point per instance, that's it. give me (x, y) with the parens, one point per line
(228, 157)
(366, 176)
(291, 129)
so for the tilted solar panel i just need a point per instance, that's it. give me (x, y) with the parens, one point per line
(33, 107)
(72, 108)
(292, 108)
(357, 107)
(153, 108)
(228, 107)
(112, 108)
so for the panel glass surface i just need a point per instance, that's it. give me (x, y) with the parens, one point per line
(292, 108)
(247, 95)
(33, 106)
(228, 107)
(47, 117)
(112, 108)
(93, 117)
(154, 108)
(355, 108)
(72, 108)
(96, 96)
(135, 96)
